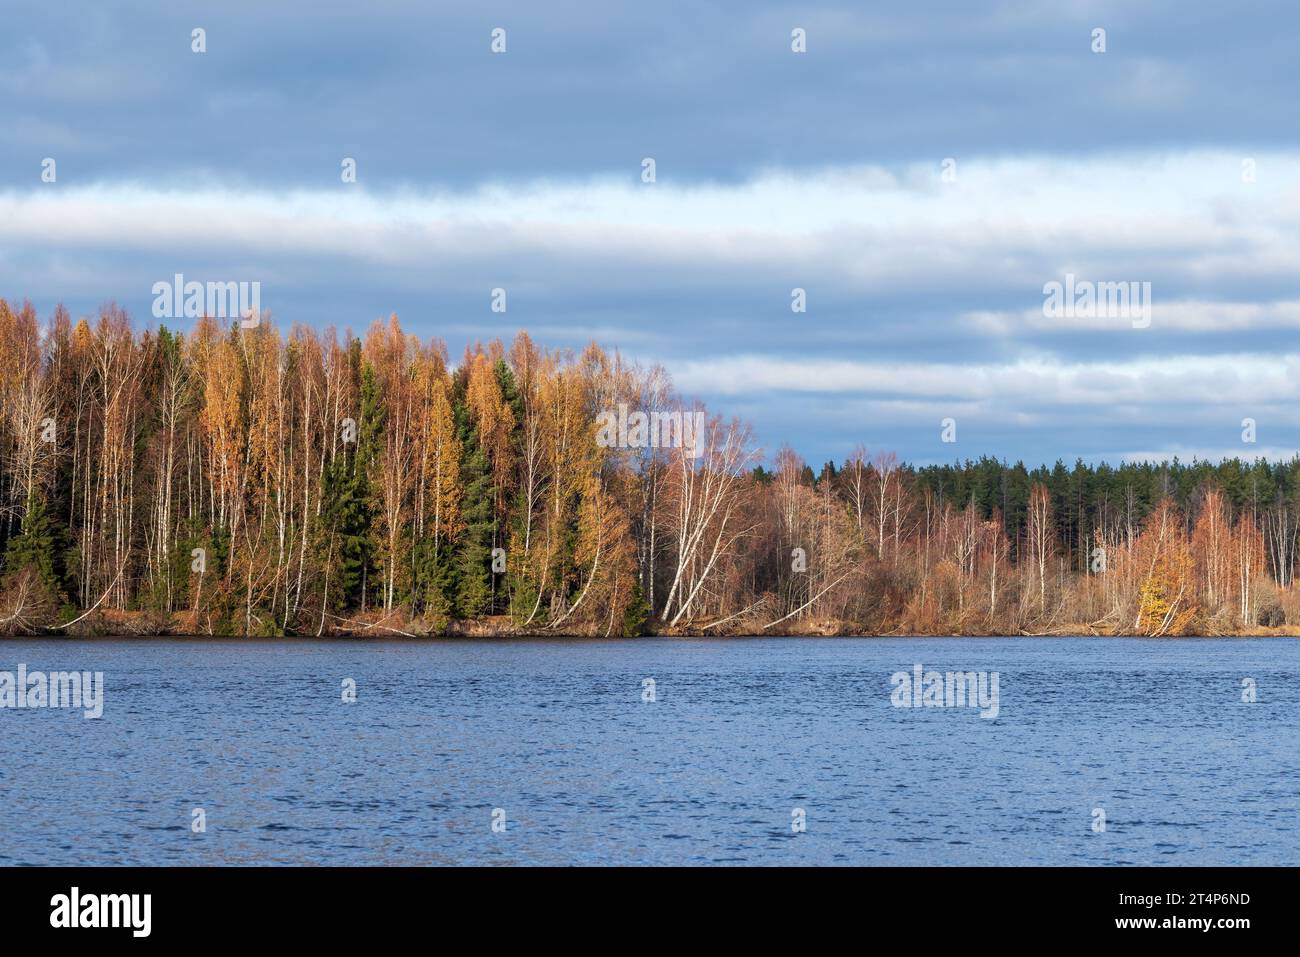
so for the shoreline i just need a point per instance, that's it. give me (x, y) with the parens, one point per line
(148, 625)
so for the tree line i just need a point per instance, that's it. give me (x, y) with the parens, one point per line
(249, 481)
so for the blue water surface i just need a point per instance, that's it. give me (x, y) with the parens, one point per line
(553, 738)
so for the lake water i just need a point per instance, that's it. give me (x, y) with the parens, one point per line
(741, 733)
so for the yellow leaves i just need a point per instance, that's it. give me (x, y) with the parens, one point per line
(1166, 597)
(492, 415)
(1153, 606)
(223, 394)
(267, 405)
(440, 451)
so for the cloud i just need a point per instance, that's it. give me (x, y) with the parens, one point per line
(714, 92)
(1127, 216)
(1237, 380)
(820, 171)
(1188, 315)
(925, 298)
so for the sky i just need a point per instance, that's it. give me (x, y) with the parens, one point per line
(923, 171)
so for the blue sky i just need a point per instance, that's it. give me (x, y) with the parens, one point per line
(774, 170)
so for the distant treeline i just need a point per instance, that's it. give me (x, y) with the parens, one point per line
(1114, 499)
(238, 480)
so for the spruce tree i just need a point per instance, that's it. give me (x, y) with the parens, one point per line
(500, 514)
(347, 511)
(472, 563)
(474, 550)
(370, 436)
(435, 583)
(36, 546)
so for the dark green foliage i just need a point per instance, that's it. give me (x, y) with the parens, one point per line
(636, 614)
(473, 556)
(38, 546)
(434, 587)
(345, 534)
(474, 550)
(1085, 496)
(345, 529)
(509, 390)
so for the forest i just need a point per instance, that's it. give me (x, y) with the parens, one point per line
(247, 481)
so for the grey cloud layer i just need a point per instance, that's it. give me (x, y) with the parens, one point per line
(711, 90)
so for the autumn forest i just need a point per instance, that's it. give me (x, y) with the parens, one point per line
(257, 481)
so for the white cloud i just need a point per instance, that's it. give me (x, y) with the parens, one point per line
(601, 256)
(870, 228)
(1202, 381)
(1188, 315)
